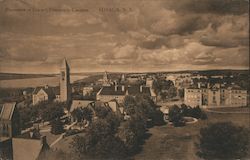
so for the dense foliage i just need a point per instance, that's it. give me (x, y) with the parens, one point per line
(223, 140)
(164, 88)
(82, 114)
(46, 111)
(176, 116)
(109, 137)
(57, 127)
(177, 113)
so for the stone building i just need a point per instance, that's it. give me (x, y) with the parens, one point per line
(216, 95)
(108, 93)
(46, 93)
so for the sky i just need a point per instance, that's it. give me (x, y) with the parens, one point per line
(125, 36)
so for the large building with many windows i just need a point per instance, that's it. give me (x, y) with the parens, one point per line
(217, 95)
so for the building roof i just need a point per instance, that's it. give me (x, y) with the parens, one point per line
(134, 90)
(116, 107)
(110, 90)
(48, 90)
(79, 103)
(28, 149)
(7, 111)
(131, 90)
(235, 87)
(2, 139)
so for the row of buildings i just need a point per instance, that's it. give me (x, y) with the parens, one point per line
(216, 95)
(109, 90)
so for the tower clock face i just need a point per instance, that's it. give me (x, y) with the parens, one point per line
(62, 75)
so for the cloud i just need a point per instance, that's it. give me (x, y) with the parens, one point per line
(204, 58)
(154, 35)
(220, 7)
(231, 31)
(124, 52)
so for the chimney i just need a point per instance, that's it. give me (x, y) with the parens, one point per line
(116, 87)
(46, 86)
(141, 88)
(123, 88)
(208, 85)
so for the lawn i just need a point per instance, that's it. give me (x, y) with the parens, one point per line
(231, 109)
(167, 142)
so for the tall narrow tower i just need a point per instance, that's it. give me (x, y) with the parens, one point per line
(65, 88)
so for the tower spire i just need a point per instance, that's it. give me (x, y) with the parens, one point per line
(65, 88)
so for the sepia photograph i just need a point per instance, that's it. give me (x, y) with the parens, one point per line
(124, 80)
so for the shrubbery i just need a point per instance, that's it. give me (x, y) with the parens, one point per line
(177, 113)
(223, 140)
(46, 111)
(57, 127)
(110, 138)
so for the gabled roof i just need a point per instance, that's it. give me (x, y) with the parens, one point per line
(115, 106)
(79, 103)
(48, 90)
(7, 111)
(28, 149)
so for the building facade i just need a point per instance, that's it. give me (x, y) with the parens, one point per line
(216, 95)
(42, 94)
(118, 93)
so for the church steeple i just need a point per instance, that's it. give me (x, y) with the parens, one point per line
(65, 88)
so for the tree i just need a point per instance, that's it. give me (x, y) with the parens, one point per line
(176, 116)
(172, 92)
(129, 105)
(132, 133)
(223, 140)
(101, 111)
(77, 114)
(100, 142)
(87, 114)
(50, 111)
(57, 127)
(181, 93)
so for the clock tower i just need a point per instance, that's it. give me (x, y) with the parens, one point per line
(65, 88)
